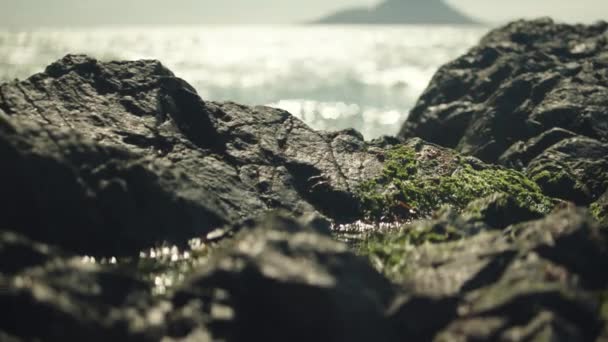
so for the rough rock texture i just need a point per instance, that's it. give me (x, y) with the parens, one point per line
(110, 158)
(49, 296)
(525, 88)
(535, 280)
(123, 154)
(281, 281)
(418, 178)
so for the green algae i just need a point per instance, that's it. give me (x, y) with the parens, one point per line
(603, 307)
(418, 182)
(388, 251)
(412, 187)
(600, 212)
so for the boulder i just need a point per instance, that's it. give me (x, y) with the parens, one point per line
(526, 87)
(279, 280)
(537, 278)
(110, 168)
(418, 178)
(49, 295)
(574, 169)
(109, 158)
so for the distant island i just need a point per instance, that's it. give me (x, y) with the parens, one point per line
(400, 12)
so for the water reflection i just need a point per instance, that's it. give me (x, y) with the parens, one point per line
(362, 77)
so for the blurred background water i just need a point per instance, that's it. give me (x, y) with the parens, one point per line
(332, 77)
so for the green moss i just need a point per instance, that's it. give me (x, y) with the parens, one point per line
(604, 305)
(546, 176)
(600, 213)
(408, 189)
(556, 178)
(388, 251)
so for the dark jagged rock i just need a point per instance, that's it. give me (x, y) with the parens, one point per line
(525, 88)
(278, 278)
(521, 153)
(538, 278)
(108, 158)
(20, 253)
(49, 296)
(281, 281)
(500, 210)
(575, 169)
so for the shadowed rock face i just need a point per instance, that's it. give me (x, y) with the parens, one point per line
(278, 279)
(282, 281)
(53, 296)
(126, 146)
(525, 88)
(534, 280)
(110, 158)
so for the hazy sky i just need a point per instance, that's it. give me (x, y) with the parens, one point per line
(276, 11)
(564, 10)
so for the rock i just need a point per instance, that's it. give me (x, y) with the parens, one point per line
(519, 155)
(64, 189)
(22, 253)
(49, 296)
(500, 210)
(536, 279)
(599, 209)
(575, 169)
(279, 280)
(524, 88)
(418, 178)
(493, 212)
(110, 158)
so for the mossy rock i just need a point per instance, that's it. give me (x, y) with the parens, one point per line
(540, 273)
(418, 178)
(574, 169)
(558, 182)
(599, 210)
(389, 250)
(500, 210)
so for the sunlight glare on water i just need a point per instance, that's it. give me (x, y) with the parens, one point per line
(333, 78)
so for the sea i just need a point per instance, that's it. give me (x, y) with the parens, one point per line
(331, 77)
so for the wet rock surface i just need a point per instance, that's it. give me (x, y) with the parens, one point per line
(525, 88)
(134, 210)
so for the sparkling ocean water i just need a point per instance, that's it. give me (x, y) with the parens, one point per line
(332, 77)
